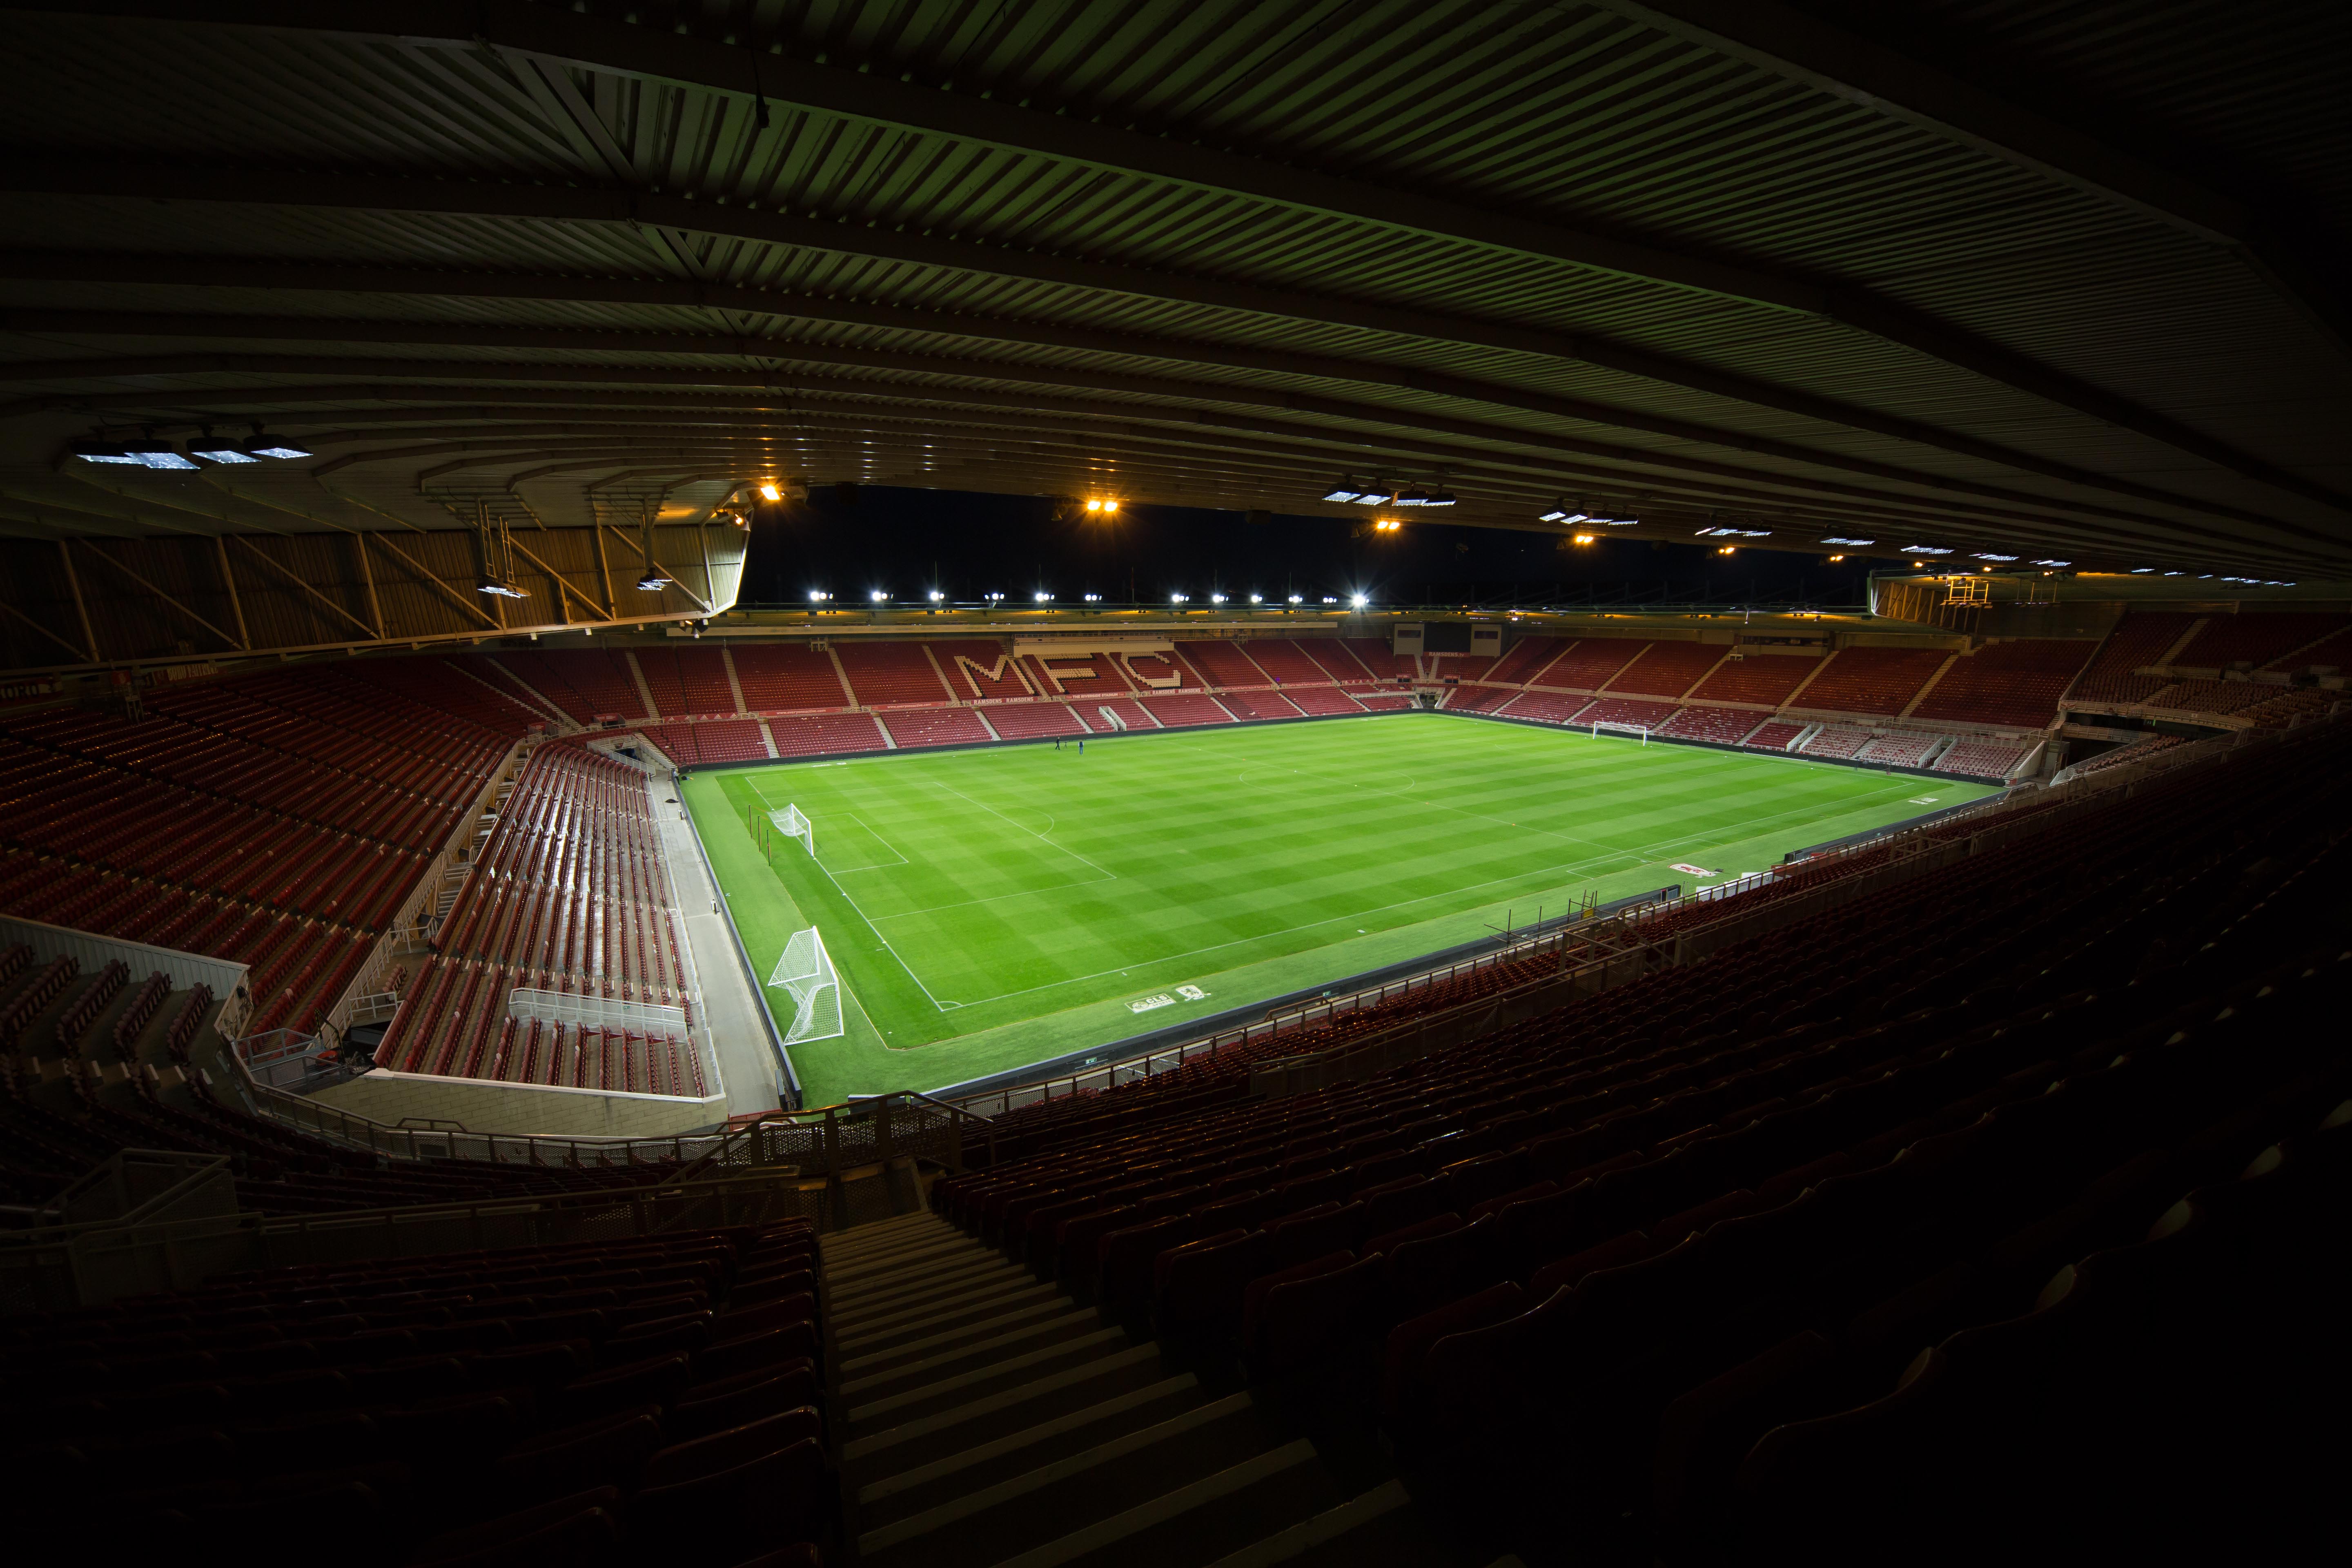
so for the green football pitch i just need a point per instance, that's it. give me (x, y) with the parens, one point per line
(989, 907)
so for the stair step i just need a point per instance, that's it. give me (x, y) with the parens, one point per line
(1201, 1521)
(1039, 1504)
(882, 1238)
(933, 1290)
(932, 1278)
(947, 1392)
(912, 1260)
(980, 1353)
(1363, 1529)
(912, 1491)
(881, 1333)
(872, 1362)
(921, 1438)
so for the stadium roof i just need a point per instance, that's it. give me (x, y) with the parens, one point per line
(2025, 280)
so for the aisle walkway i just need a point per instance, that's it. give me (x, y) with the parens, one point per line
(746, 1059)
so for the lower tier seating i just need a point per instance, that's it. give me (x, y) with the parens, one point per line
(913, 727)
(1181, 713)
(821, 734)
(1774, 735)
(1028, 721)
(1901, 748)
(1836, 740)
(1983, 759)
(1724, 726)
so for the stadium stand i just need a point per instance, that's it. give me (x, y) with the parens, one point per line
(1836, 740)
(1524, 658)
(1627, 711)
(1546, 707)
(1182, 712)
(1588, 665)
(2253, 641)
(1254, 705)
(1339, 661)
(2015, 683)
(890, 674)
(1992, 759)
(586, 683)
(981, 669)
(729, 741)
(1872, 679)
(1131, 712)
(2137, 640)
(1155, 671)
(783, 678)
(1286, 663)
(537, 707)
(528, 1404)
(1722, 726)
(1321, 699)
(2209, 695)
(686, 682)
(1028, 721)
(2130, 752)
(1092, 675)
(1902, 748)
(1601, 1277)
(1375, 657)
(822, 735)
(1478, 699)
(1666, 669)
(2328, 656)
(914, 727)
(1384, 701)
(1223, 663)
(1767, 680)
(1457, 667)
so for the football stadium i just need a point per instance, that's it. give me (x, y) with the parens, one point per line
(1260, 784)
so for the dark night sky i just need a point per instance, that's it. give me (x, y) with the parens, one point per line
(905, 541)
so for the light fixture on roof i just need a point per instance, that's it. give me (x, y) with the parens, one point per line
(1346, 489)
(2054, 563)
(1439, 497)
(263, 446)
(212, 449)
(1988, 555)
(1094, 598)
(1413, 495)
(159, 455)
(1216, 598)
(653, 579)
(1926, 549)
(2141, 570)
(1585, 538)
(1257, 598)
(1177, 598)
(97, 449)
(1357, 600)
(935, 595)
(1841, 539)
(1042, 597)
(877, 597)
(1563, 512)
(1297, 598)
(768, 491)
(1386, 525)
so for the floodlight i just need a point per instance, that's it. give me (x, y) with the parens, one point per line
(1257, 598)
(1837, 557)
(815, 597)
(1298, 599)
(1413, 495)
(1176, 598)
(96, 451)
(275, 447)
(1329, 599)
(652, 583)
(1584, 538)
(769, 492)
(213, 451)
(1439, 497)
(1094, 506)
(1094, 598)
(1043, 597)
(158, 455)
(936, 596)
(1357, 600)
(877, 596)
(1216, 598)
(1346, 489)
(486, 583)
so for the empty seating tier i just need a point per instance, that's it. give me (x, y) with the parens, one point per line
(1546, 707)
(1321, 699)
(1078, 675)
(586, 683)
(1375, 657)
(2137, 640)
(1286, 663)
(1223, 663)
(1131, 713)
(1723, 726)
(1478, 699)
(1029, 721)
(891, 674)
(1526, 657)
(1768, 680)
(1984, 759)
(1666, 669)
(1627, 711)
(913, 727)
(1335, 658)
(1588, 665)
(2014, 683)
(1872, 679)
(784, 678)
(1902, 748)
(822, 735)
(1182, 712)
(981, 669)
(2254, 639)
(1836, 740)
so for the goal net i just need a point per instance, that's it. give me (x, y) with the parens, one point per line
(1641, 729)
(792, 824)
(805, 971)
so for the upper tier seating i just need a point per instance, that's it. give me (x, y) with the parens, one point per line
(1872, 679)
(523, 1404)
(1153, 671)
(980, 668)
(912, 727)
(677, 742)
(1094, 675)
(1990, 759)
(2211, 696)
(686, 682)
(1223, 663)
(2138, 639)
(1457, 667)
(781, 679)
(1285, 663)
(888, 673)
(1588, 665)
(729, 741)
(1252, 705)
(1767, 680)
(2333, 654)
(1666, 669)
(2254, 639)
(2130, 752)
(1375, 657)
(1724, 726)
(536, 707)
(1525, 657)
(586, 683)
(2016, 683)
(822, 734)
(1334, 655)
(1180, 713)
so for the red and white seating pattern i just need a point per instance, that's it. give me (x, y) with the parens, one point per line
(1587, 665)
(822, 735)
(1724, 726)
(1478, 699)
(1986, 759)
(1131, 713)
(916, 727)
(1901, 748)
(1626, 710)
(1182, 712)
(1836, 740)
(1775, 735)
(2255, 640)
(2138, 639)
(1223, 663)
(1546, 707)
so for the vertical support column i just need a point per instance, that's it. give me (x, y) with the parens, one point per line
(834, 1198)
(81, 609)
(367, 577)
(236, 605)
(605, 571)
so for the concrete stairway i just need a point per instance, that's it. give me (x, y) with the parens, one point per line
(989, 1420)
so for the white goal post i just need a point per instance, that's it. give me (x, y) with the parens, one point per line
(1641, 729)
(790, 823)
(806, 969)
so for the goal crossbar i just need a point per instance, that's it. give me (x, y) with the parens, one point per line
(793, 824)
(805, 972)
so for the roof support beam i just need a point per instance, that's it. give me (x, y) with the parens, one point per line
(417, 570)
(1788, 43)
(80, 655)
(372, 633)
(646, 551)
(102, 556)
(565, 584)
